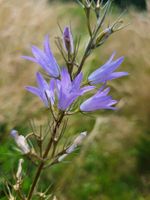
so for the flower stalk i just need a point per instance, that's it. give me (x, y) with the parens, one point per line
(41, 165)
(61, 93)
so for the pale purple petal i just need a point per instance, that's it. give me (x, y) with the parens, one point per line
(30, 58)
(111, 58)
(45, 59)
(44, 91)
(98, 101)
(38, 93)
(113, 65)
(66, 101)
(115, 75)
(68, 91)
(86, 89)
(77, 82)
(46, 45)
(106, 72)
(101, 75)
(52, 84)
(33, 90)
(50, 55)
(41, 81)
(112, 102)
(51, 91)
(102, 92)
(58, 86)
(14, 133)
(65, 78)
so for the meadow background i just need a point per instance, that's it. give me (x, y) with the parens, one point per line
(114, 163)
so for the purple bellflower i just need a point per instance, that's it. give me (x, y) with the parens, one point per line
(98, 101)
(45, 59)
(44, 91)
(106, 72)
(68, 91)
(68, 40)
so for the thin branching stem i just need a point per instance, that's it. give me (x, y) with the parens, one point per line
(41, 165)
(89, 46)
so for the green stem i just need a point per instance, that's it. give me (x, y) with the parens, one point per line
(41, 165)
(95, 32)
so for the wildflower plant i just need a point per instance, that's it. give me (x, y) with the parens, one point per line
(61, 89)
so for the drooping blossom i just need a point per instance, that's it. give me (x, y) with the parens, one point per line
(106, 72)
(99, 101)
(68, 40)
(68, 91)
(44, 90)
(45, 59)
(20, 141)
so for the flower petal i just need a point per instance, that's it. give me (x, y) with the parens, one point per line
(115, 75)
(29, 58)
(104, 73)
(43, 85)
(98, 101)
(33, 90)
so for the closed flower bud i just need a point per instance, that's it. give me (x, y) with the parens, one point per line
(19, 171)
(21, 142)
(68, 40)
(78, 140)
(62, 157)
(97, 9)
(103, 36)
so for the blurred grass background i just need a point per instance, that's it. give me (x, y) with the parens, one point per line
(114, 163)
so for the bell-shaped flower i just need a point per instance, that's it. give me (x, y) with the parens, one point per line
(68, 91)
(106, 72)
(45, 59)
(20, 141)
(68, 40)
(98, 101)
(44, 91)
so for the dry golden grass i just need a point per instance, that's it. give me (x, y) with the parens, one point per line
(22, 23)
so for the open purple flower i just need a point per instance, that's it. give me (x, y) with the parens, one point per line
(68, 91)
(44, 91)
(99, 101)
(106, 72)
(45, 59)
(68, 40)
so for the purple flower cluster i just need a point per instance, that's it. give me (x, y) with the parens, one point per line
(62, 91)
(68, 91)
